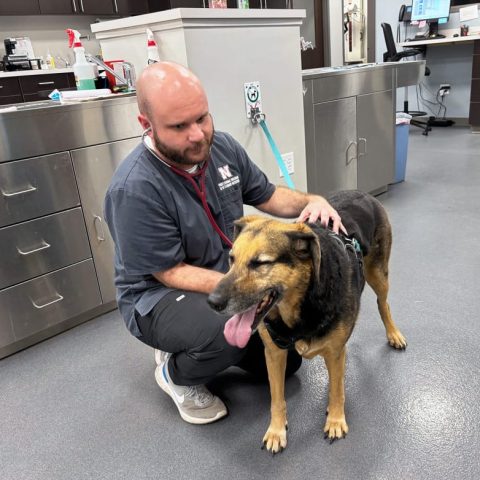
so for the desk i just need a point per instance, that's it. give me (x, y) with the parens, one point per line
(474, 110)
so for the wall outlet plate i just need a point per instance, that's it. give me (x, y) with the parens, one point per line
(288, 159)
(253, 98)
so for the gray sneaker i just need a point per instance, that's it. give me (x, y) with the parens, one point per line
(196, 404)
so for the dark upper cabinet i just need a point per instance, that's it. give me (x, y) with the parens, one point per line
(53, 7)
(132, 7)
(93, 7)
(97, 7)
(19, 7)
(157, 5)
(262, 4)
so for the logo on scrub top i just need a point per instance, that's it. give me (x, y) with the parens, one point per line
(228, 179)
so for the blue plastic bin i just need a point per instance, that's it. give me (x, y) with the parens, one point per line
(401, 149)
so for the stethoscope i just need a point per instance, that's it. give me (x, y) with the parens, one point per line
(200, 188)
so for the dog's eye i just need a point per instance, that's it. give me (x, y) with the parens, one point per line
(259, 263)
(231, 258)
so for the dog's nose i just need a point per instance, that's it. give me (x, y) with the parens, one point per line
(217, 301)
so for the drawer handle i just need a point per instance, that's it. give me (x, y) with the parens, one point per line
(44, 246)
(31, 188)
(58, 299)
(98, 219)
(46, 83)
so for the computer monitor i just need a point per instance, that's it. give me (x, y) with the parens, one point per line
(433, 11)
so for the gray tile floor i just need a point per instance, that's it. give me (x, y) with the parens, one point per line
(84, 404)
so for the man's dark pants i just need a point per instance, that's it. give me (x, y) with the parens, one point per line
(183, 324)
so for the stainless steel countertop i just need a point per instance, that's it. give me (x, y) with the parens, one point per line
(43, 106)
(349, 69)
(41, 128)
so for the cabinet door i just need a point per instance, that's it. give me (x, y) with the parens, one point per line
(266, 4)
(97, 7)
(334, 164)
(132, 7)
(19, 7)
(376, 140)
(94, 167)
(64, 7)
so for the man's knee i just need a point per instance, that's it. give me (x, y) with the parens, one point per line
(201, 363)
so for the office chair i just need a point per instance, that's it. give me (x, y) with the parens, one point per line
(391, 55)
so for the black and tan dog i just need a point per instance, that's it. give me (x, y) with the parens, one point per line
(300, 286)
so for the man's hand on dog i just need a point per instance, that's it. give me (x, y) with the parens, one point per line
(319, 208)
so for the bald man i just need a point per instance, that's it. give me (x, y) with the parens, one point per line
(170, 208)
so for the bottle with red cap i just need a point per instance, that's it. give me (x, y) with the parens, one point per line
(152, 50)
(84, 71)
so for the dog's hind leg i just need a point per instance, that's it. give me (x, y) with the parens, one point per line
(376, 275)
(275, 439)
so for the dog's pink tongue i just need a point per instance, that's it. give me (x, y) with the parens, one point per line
(238, 329)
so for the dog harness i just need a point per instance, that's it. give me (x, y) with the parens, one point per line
(285, 337)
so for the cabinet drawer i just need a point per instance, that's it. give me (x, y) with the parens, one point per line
(351, 84)
(9, 86)
(36, 186)
(36, 83)
(11, 99)
(35, 305)
(39, 246)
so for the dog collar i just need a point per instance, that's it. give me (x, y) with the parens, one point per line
(282, 335)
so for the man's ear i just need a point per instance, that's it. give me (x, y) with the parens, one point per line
(144, 122)
(305, 245)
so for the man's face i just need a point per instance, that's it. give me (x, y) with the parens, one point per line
(183, 133)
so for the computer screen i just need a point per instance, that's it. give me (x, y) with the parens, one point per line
(430, 9)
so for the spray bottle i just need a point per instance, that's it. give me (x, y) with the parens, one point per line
(83, 70)
(152, 50)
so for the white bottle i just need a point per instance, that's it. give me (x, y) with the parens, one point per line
(83, 70)
(152, 50)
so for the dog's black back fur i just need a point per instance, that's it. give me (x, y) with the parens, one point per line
(336, 296)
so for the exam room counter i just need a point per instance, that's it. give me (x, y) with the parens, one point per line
(56, 162)
(349, 116)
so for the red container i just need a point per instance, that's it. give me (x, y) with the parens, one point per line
(116, 66)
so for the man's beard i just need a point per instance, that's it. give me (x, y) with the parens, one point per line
(181, 158)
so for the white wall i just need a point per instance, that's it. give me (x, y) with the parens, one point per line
(448, 64)
(47, 32)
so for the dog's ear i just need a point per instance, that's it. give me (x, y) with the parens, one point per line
(242, 222)
(305, 245)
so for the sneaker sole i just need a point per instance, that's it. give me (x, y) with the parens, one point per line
(187, 418)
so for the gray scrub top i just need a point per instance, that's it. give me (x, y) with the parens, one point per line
(157, 220)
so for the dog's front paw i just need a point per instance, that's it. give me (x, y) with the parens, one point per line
(275, 440)
(335, 427)
(397, 340)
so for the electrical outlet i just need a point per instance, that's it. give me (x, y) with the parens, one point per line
(445, 86)
(289, 163)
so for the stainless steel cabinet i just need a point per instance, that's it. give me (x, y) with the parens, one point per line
(334, 164)
(49, 281)
(94, 167)
(349, 130)
(376, 140)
